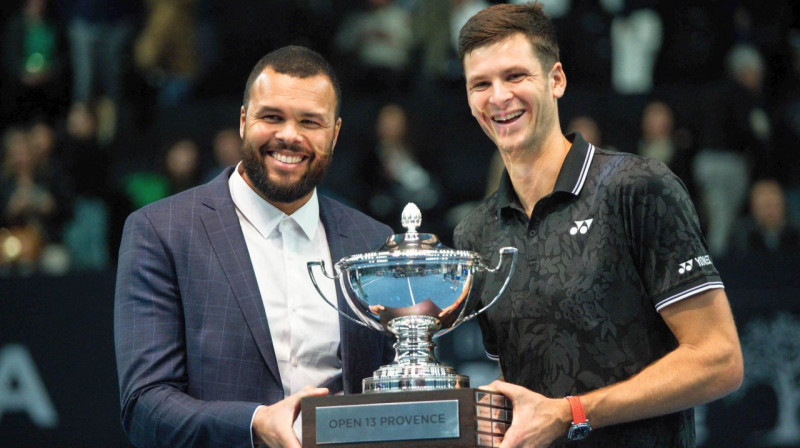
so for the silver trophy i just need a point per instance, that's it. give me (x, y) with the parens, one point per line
(415, 289)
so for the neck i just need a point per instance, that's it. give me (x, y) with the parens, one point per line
(534, 174)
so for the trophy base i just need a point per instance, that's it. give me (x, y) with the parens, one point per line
(459, 418)
(400, 378)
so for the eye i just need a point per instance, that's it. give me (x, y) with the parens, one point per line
(272, 118)
(515, 76)
(310, 123)
(481, 85)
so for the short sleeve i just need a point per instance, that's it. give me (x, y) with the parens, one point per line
(670, 251)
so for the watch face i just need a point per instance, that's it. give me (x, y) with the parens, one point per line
(578, 431)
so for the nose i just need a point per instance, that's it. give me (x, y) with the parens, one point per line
(500, 94)
(288, 133)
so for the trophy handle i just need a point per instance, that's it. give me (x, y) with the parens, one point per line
(504, 252)
(310, 265)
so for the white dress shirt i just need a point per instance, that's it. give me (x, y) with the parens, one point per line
(304, 329)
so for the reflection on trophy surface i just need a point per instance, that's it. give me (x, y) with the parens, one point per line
(416, 289)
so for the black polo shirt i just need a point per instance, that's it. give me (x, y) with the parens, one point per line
(615, 242)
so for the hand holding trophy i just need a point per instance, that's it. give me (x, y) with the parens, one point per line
(415, 289)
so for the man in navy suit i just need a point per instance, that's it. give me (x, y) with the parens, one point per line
(219, 331)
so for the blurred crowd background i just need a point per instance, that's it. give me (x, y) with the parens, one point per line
(107, 105)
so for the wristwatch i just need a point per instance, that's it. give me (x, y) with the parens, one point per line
(580, 427)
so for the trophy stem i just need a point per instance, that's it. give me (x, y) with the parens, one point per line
(415, 367)
(414, 339)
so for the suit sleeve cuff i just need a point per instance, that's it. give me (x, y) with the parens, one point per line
(252, 436)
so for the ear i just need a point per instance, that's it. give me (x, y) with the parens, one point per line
(242, 116)
(558, 80)
(336, 128)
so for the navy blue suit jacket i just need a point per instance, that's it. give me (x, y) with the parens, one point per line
(193, 348)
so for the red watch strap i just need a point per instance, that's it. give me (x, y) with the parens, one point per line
(578, 414)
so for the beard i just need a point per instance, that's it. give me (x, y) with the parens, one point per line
(286, 192)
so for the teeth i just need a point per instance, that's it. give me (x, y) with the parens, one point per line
(286, 159)
(508, 117)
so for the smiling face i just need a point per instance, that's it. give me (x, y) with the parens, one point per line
(289, 130)
(512, 96)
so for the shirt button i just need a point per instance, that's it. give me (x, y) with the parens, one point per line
(532, 233)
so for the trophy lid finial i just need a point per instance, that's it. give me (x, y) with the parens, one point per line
(411, 217)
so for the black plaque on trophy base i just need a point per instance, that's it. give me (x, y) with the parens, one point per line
(433, 418)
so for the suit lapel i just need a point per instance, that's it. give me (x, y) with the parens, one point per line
(343, 240)
(339, 243)
(225, 233)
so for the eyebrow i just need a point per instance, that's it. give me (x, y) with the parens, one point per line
(260, 110)
(508, 70)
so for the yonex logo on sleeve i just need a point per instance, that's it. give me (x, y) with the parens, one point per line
(703, 260)
(686, 266)
(581, 227)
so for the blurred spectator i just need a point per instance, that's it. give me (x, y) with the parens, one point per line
(21, 241)
(165, 49)
(92, 236)
(436, 27)
(49, 170)
(99, 33)
(766, 230)
(769, 30)
(182, 165)
(87, 162)
(433, 42)
(735, 142)
(659, 139)
(179, 169)
(226, 149)
(394, 176)
(658, 123)
(42, 138)
(87, 235)
(589, 129)
(636, 38)
(376, 43)
(34, 59)
(460, 12)
(35, 202)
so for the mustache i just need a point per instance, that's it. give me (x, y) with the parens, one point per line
(277, 146)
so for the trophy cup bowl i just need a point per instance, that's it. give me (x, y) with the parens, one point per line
(414, 288)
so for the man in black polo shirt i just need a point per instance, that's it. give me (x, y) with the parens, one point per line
(615, 304)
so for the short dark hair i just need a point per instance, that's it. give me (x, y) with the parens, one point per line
(296, 61)
(501, 21)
